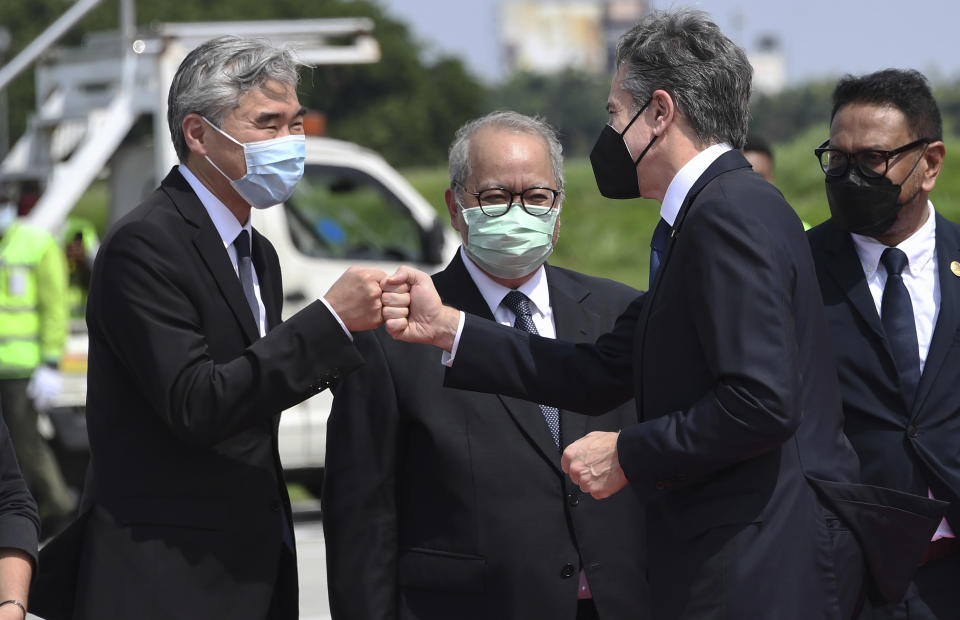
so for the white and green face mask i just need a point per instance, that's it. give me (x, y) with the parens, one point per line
(511, 245)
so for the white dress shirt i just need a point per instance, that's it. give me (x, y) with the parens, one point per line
(920, 276)
(535, 289)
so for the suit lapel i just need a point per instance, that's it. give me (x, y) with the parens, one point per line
(844, 267)
(269, 282)
(457, 288)
(211, 250)
(948, 320)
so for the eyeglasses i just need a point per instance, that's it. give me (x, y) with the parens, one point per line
(496, 201)
(872, 163)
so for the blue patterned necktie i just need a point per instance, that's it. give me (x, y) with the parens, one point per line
(245, 270)
(519, 304)
(658, 244)
(896, 314)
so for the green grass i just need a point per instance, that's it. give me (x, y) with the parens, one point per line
(611, 238)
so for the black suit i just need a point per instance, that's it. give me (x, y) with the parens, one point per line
(442, 503)
(185, 505)
(740, 454)
(913, 448)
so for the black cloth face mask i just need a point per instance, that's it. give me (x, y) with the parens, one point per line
(865, 206)
(613, 167)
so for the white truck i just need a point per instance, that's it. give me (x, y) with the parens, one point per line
(350, 208)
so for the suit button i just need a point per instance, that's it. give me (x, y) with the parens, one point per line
(568, 571)
(573, 499)
(275, 505)
(912, 431)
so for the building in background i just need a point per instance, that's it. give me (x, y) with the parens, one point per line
(769, 65)
(549, 36)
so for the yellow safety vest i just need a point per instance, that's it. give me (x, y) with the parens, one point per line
(33, 306)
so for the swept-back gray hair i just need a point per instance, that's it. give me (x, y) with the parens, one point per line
(213, 77)
(707, 75)
(510, 121)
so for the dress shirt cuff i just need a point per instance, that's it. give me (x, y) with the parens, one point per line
(447, 358)
(336, 316)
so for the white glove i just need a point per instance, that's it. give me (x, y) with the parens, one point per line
(44, 387)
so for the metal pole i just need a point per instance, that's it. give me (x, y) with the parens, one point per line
(128, 23)
(49, 36)
(4, 111)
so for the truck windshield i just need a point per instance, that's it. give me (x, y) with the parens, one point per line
(345, 213)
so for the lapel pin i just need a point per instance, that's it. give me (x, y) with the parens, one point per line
(955, 268)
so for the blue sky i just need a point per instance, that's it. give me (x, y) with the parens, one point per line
(820, 38)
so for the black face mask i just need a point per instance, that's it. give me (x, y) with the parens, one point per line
(865, 206)
(613, 167)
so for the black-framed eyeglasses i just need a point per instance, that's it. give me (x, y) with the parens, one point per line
(496, 201)
(872, 163)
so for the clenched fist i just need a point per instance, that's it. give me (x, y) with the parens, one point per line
(413, 312)
(594, 465)
(355, 297)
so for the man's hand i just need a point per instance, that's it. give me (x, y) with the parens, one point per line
(44, 387)
(413, 312)
(593, 464)
(355, 297)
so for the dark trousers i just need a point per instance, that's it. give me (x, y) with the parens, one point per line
(933, 595)
(285, 604)
(39, 466)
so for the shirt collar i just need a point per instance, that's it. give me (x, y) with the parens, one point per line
(683, 182)
(493, 292)
(223, 218)
(919, 247)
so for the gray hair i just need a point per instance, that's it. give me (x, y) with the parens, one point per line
(214, 76)
(707, 75)
(510, 121)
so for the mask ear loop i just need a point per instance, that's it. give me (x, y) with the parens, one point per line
(915, 164)
(632, 121)
(228, 137)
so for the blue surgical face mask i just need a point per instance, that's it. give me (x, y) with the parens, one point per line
(274, 167)
(511, 245)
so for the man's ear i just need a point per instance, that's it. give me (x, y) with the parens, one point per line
(456, 218)
(195, 133)
(933, 157)
(664, 110)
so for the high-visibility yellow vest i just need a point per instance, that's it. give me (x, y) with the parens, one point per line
(33, 305)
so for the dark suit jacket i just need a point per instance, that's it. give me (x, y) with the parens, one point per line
(441, 503)
(185, 504)
(729, 363)
(913, 447)
(19, 520)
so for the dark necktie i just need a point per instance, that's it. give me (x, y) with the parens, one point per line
(245, 270)
(518, 303)
(658, 245)
(896, 314)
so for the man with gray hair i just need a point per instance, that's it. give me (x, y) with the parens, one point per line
(185, 513)
(750, 485)
(442, 503)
